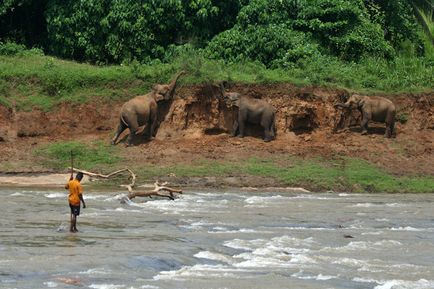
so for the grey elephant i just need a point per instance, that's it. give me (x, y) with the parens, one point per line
(373, 108)
(251, 110)
(142, 111)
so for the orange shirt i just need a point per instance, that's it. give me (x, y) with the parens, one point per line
(74, 191)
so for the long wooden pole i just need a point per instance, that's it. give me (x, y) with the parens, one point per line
(72, 166)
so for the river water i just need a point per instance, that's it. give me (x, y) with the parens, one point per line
(226, 239)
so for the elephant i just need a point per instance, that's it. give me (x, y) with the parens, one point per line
(373, 108)
(142, 111)
(251, 110)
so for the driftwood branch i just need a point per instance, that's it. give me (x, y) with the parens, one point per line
(95, 175)
(160, 190)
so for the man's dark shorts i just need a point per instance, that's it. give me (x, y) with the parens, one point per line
(75, 210)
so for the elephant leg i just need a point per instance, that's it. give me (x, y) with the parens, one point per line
(389, 129)
(364, 124)
(268, 134)
(242, 117)
(152, 124)
(235, 128)
(390, 124)
(121, 127)
(134, 127)
(241, 126)
(273, 129)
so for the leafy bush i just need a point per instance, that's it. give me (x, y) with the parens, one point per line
(402, 117)
(117, 31)
(281, 32)
(11, 48)
(344, 28)
(272, 45)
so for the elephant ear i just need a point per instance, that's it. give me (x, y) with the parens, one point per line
(361, 101)
(159, 97)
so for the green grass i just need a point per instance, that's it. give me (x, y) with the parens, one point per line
(345, 174)
(30, 80)
(96, 155)
(342, 174)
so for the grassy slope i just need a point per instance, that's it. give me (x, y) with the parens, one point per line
(35, 80)
(31, 80)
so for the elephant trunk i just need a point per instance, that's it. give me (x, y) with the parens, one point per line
(344, 105)
(172, 85)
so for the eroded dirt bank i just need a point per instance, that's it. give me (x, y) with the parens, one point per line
(196, 124)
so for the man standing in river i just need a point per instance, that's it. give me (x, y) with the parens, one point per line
(75, 197)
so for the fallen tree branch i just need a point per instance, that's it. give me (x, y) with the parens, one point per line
(132, 177)
(157, 191)
(160, 189)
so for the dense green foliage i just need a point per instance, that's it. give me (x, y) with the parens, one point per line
(277, 33)
(283, 31)
(112, 31)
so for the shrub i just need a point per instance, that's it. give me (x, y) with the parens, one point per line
(402, 117)
(281, 32)
(11, 48)
(273, 45)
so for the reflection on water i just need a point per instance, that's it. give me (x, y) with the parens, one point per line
(218, 240)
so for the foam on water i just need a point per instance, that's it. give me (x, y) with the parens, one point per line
(181, 205)
(404, 284)
(197, 226)
(398, 284)
(267, 200)
(277, 199)
(319, 277)
(408, 228)
(374, 233)
(314, 197)
(95, 271)
(214, 256)
(199, 270)
(374, 205)
(278, 252)
(351, 262)
(56, 195)
(224, 230)
(365, 245)
(106, 286)
(149, 287)
(51, 284)
(94, 197)
(16, 195)
(281, 242)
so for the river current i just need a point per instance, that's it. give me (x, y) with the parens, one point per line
(218, 239)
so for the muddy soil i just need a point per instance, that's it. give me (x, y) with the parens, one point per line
(196, 125)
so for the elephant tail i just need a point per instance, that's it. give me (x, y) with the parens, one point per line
(123, 120)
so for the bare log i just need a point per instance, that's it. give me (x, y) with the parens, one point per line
(157, 191)
(132, 177)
